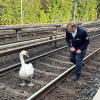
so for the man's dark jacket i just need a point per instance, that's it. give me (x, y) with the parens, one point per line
(80, 41)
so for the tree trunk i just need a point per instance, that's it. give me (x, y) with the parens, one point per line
(98, 12)
(74, 9)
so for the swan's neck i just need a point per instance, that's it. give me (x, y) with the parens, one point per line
(22, 59)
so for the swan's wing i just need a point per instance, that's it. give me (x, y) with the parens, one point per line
(30, 69)
(22, 72)
(26, 71)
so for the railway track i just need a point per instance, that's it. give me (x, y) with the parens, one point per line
(26, 32)
(6, 38)
(9, 53)
(93, 49)
(27, 44)
(83, 89)
(48, 66)
(13, 34)
(15, 47)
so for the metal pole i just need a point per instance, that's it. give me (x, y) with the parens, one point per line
(21, 12)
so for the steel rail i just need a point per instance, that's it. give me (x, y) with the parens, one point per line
(10, 45)
(19, 27)
(14, 50)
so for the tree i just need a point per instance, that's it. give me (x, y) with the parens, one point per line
(98, 9)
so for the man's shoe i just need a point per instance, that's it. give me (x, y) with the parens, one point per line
(83, 64)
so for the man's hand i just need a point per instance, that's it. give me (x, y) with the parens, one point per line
(78, 51)
(72, 49)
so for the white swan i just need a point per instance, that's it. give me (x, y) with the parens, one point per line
(26, 71)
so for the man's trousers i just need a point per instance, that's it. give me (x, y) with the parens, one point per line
(77, 59)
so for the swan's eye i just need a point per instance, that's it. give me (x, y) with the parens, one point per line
(26, 53)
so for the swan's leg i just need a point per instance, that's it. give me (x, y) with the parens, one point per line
(23, 84)
(31, 83)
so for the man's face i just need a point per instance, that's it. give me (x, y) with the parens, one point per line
(70, 28)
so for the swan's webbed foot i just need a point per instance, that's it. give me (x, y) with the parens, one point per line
(30, 84)
(23, 84)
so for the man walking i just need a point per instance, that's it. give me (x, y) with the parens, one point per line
(77, 40)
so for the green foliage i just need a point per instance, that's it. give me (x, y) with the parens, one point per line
(46, 11)
(86, 10)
